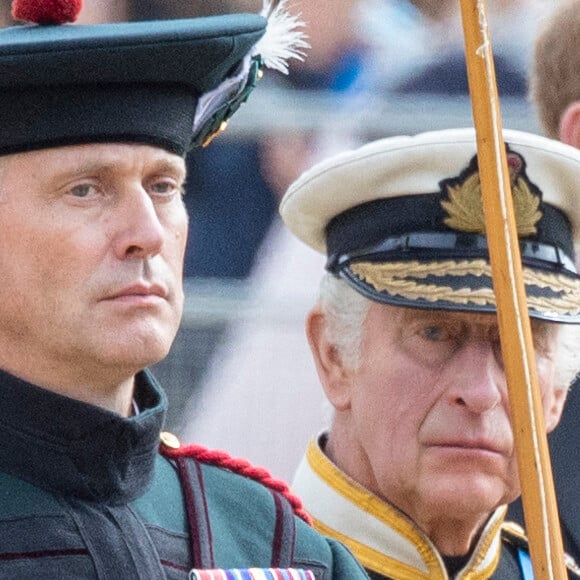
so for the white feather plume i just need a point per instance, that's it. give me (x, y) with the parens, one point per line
(284, 37)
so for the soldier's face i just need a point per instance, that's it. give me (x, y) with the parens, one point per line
(424, 420)
(91, 255)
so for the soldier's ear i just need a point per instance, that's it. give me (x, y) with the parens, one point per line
(334, 375)
(570, 125)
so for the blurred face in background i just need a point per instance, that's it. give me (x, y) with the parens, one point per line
(331, 28)
(96, 11)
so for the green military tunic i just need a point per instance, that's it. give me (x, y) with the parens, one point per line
(86, 494)
(390, 545)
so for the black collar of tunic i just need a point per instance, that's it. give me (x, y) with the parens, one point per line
(75, 449)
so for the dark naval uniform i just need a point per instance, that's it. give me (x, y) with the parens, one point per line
(565, 460)
(388, 544)
(91, 497)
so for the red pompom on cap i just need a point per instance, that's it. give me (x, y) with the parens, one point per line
(46, 11)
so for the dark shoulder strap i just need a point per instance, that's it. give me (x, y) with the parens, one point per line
(200, 537)
(189, 461)
(201, 541)
(284, 539)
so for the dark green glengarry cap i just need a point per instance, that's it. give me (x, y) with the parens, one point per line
(168, 83)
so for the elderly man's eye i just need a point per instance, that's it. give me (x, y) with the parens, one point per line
(82, 190)
(435, 333)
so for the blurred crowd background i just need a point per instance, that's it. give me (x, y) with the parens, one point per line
(239, 376)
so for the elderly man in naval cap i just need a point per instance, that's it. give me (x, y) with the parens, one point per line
(418, 464)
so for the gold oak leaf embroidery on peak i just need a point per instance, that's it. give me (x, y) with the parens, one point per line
(464, 206)
(407, 279)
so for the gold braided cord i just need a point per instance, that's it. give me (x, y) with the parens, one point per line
(394, 278)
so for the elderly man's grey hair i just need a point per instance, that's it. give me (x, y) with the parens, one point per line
(347, 310)
(568, 355)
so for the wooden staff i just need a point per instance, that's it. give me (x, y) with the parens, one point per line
(538, 495)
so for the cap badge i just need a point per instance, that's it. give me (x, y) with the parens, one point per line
(464, 205)
(283, 40)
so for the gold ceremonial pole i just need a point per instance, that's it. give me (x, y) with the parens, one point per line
(538, 495)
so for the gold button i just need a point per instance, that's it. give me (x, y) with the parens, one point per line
(170, 440)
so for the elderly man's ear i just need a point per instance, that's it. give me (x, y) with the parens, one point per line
(570, 125)
(335, 377)
(555, 410)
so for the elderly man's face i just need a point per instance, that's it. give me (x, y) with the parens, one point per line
(424, 420)
(91, 255)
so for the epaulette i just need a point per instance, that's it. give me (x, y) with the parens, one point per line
(171, 448)
(515, 535)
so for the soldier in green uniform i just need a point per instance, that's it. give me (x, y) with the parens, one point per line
(418, 464)
(96, 121)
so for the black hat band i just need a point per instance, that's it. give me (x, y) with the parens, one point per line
(449, 245)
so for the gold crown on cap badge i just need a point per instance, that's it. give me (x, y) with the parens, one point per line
(464, 205)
